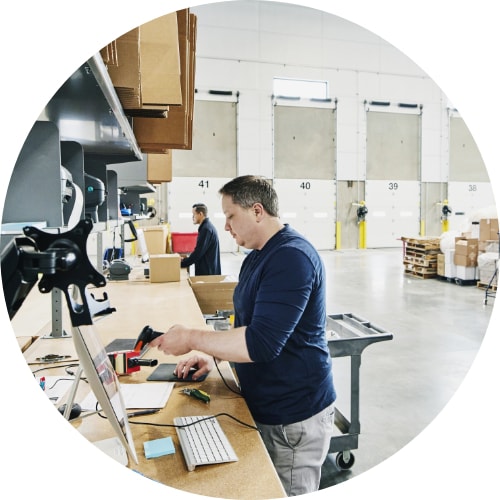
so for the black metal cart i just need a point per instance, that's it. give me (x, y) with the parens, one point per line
(349, 335)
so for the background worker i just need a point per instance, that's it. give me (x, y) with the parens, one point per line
(278, 344)
(206, 254)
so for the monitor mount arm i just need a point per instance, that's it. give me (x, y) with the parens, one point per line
(62, 260)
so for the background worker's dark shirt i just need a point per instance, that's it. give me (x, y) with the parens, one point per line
(206, 254)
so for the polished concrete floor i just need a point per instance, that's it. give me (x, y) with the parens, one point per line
(437, 329)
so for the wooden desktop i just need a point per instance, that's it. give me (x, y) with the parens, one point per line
(139, 303)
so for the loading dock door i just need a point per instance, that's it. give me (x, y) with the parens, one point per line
(392, 177)
(309, 207)
(393, 211)
(467, 201)
(304, 170)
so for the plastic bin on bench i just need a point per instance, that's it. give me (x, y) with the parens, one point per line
(183, 242)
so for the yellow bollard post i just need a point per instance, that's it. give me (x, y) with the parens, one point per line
(338, 236)
(362, 234)
(422, 228)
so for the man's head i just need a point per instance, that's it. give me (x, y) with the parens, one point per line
(250, 205)
(249, 189)
(199, 213)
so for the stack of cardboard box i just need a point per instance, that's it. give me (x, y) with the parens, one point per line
(145, 68)
(174, 131)
(163, 267)
(472, 259)
(152, 68)
(488, 251)
(465, 258)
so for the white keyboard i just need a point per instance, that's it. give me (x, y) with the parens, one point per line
(204, 442)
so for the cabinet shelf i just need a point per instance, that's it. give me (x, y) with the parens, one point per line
(87, 110)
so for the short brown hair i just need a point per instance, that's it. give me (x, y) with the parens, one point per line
(249, 189)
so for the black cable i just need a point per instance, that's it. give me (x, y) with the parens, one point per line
(154, 424)
(198, 421)
(224, 380)
(57, 381)
(52, 367)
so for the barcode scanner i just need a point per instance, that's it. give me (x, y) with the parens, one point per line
(145, 337)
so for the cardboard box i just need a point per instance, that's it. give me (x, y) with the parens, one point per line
(466, 251)
(488, 229)
(147, 76)
(213, 293)
(156, 239)
(160, 167)
(174, 131)
(486, 246)
(441, 265)
(164, 268)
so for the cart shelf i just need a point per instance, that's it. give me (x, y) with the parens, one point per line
(349, 335)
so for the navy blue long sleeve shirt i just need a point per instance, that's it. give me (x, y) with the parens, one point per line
(206, 254)
(280, 298)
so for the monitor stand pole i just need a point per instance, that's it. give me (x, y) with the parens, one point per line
(71, 396)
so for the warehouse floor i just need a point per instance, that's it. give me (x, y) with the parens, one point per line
(405, 382)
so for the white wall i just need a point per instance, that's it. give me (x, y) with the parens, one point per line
(242, 45)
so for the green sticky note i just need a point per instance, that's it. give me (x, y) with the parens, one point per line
(159, 447)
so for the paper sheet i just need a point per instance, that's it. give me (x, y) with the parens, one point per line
(147, 395)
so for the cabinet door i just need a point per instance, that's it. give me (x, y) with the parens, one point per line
(34, 193)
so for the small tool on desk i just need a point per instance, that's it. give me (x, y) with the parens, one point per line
(196, 393)
(139, 413)
(53, 358)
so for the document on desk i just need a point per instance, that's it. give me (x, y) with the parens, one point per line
(137, 396)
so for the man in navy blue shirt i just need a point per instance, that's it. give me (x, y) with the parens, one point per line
(206, 254)
(278, 343)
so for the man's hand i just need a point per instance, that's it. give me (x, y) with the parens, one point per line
(175, 341)
(202, 364)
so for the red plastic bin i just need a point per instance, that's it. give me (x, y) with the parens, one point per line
(183, 242)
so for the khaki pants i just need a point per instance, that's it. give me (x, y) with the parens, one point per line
(298, 450)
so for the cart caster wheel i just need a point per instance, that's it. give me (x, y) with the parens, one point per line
(342, 463)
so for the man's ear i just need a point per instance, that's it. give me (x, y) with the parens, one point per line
(258, 209)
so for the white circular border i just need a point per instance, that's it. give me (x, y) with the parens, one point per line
(456, 43)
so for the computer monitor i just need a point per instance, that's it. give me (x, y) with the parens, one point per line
(104, 383)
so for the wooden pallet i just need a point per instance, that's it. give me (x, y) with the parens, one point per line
(483, 286)
(422, 244)
(419, 274)
(420, 271)
(421, 260)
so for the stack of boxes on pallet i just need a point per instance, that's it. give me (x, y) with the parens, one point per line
(487, 260)
(421, 256)
(473, 256)
(464, 258)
